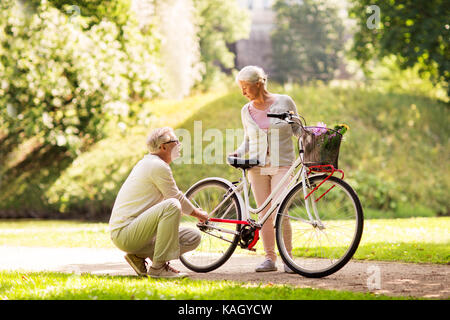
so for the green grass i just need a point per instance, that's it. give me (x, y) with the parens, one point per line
(405, 240)
(419, 240)
(41, 233)
(51, 285)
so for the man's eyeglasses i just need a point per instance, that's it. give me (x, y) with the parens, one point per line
(176, 142)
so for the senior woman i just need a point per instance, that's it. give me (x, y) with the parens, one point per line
(268, 140)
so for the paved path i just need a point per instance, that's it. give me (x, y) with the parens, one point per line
(395, 279)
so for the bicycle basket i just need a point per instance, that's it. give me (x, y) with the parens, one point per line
(321, 146)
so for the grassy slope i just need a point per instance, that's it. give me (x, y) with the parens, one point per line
(394, 155)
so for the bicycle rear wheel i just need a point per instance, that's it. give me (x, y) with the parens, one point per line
(324, 245)
(219, 239)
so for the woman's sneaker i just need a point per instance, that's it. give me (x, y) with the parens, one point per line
(288, 270)
(267, 265)
(165, 271)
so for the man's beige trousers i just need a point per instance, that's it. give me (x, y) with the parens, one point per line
(156, 234)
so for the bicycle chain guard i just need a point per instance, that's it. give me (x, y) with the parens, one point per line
(249, 237)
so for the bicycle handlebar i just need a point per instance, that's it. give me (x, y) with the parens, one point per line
(287, 116)
(278, 115)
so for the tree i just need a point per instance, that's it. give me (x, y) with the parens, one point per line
(61, 79)
(220, 23)
(195, 37)
(416, 31)
(180, 49)
(307, 40)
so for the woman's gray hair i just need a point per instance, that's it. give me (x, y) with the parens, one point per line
(157, 137)
(252, 74)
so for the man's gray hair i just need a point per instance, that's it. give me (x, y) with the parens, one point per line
(157, 137)
(252, 74)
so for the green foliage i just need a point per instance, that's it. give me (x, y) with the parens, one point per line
(90, 185)
(393, 154)
(416, 31)
(387, 76)
(306, 41)
(220, 23)
(62, 79)
(116, 11)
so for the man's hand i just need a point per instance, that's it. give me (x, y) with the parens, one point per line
(201, 215)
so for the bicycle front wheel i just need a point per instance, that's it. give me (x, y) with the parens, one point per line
(219, 239)
(322, 244)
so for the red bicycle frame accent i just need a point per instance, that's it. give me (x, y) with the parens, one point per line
(255, 238)
(323, 168)
(228, 221)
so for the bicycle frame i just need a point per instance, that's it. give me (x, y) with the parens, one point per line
(310, 200)
(243, 187)
(300, 183)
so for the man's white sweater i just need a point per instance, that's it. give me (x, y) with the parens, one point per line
(150, 182)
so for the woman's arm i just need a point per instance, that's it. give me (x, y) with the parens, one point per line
(244, 147)
(296, 128)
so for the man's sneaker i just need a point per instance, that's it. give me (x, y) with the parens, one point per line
(267, 265)
(165, 272)
(287, 269)
(138, 264)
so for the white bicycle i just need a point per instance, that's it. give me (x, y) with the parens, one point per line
(319, 217)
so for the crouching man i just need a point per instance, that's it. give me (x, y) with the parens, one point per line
(146, 215)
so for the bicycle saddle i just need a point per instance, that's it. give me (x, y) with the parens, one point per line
(242, 163)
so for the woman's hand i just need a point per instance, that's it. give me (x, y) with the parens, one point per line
(233, 154)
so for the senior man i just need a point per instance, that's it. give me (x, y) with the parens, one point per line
(146, 215)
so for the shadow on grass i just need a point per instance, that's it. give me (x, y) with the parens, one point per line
(23, 185)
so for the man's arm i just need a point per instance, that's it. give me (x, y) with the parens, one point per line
(164, 181)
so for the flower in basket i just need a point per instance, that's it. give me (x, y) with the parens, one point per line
(332, 140)
(320, 129)
(321, 145)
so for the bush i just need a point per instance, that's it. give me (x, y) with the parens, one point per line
(62, 80)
